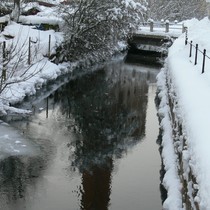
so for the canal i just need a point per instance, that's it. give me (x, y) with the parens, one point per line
(94, 145)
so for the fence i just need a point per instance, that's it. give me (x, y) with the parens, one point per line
(5, 53)
(197, 50)
(167, 26)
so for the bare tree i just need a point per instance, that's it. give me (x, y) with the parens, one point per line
(16, 11)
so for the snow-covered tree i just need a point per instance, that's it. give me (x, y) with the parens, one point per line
(16, 10)
(92, 26)
(177, 9)
(5, 7)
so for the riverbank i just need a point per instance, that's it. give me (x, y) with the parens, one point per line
(32, 59)
(185, 118)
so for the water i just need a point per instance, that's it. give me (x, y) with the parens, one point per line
(96, 146)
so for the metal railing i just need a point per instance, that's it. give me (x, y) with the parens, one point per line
(166, 25)
(196, 51)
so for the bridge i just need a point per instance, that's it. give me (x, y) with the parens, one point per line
(150, 42)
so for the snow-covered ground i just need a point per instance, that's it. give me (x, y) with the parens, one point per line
(190, 90)
(39, 69)
(24, 77)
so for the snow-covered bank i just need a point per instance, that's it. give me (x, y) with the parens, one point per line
(23, 78)
(185, 111)
(39, 71)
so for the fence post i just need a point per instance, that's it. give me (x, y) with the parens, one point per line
(29, 51)
(186, 38)
(183, 28)
(4, 76)
(49, 46)
(47, 107)
(167, 26)
(151, 25)
(196, 54)
(190, 49)
(204, 57)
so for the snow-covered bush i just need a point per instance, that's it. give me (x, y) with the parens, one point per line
(92, 26)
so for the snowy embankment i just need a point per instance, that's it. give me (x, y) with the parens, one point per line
(185, 114)
(27, 62)
(23, 78)
(25, 74)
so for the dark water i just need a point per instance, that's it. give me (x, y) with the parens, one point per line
(97, 146)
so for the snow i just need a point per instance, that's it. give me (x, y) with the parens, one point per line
(191, 90)
(41, 68)
(30, 19)
(26, 77)
(12, 143)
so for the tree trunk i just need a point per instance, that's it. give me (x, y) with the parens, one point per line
(16, 10)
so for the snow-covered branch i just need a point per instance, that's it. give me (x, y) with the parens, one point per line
(92, 25)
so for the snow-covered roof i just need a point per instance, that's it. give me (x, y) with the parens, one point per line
(31, 19)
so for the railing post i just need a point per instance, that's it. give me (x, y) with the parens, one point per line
(196, 54)
(167, 26)
(186, 38)
(183, 28)
(29, 51)
(49, 46)
(4, 73)
(151, 25)
(47, 107)
(204, 57)
(190, 49)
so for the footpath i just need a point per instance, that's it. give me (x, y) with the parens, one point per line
(184, 110)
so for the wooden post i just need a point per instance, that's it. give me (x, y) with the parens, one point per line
(196, 54)
(183, 28)
(151, 26)
(4, 62)
(186, 38)
(167, 27)
(47, 108)
(204, 58)
(49, 46)
(29, 51)
(190, 49)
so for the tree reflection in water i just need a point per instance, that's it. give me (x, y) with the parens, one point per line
(104, 113)
(16, 173)
(109, 112)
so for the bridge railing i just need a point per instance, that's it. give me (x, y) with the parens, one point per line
(194, 48)
(163, 26)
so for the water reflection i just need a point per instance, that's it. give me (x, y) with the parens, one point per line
(16, 173)
(109, 110)
(97, 187)
(102, 114)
